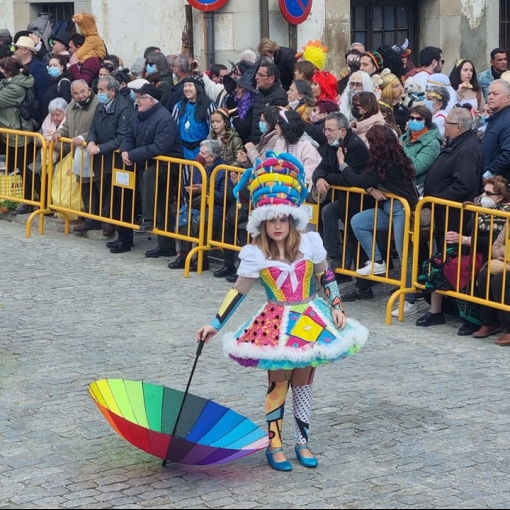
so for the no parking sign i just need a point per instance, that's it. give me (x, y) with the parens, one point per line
(295, 11)
(207, 5)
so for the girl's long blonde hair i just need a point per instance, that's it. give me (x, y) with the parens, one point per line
(269, 248)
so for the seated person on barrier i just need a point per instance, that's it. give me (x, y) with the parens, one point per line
(210, 155)
(388, 170)
(340, 139)
(496, 195)
(494, 284)
(153, 132)
(267, 124)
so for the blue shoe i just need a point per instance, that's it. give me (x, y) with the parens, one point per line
(279, 466)
(309, 462)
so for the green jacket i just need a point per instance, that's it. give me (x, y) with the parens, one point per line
(12, 94)
(423, 151)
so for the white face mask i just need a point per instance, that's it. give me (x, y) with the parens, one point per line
(487, 202)
(294, 104)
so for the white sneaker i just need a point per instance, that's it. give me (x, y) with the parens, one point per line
(409, 309)
(372, 268)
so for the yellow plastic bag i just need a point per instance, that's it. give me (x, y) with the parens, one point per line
(65, 191)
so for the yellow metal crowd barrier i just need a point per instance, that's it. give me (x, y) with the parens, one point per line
(473, 292)
(82, 187)
(23, 173)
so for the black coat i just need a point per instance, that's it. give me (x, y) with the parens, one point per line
(456, 175)
(108, 130)
(356, 157)
(152, 133)
(285, 59)
(273, 96)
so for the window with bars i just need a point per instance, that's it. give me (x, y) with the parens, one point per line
(382, 22)
(504, 24)
(60, 10)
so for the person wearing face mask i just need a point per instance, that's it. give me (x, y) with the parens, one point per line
(159, 73)
(300, 98)
(339, 137)
(436, 100)
(475, 240)
(455, 175)
(60, 81)
(366, 113)
(109, 126)
(422, 142)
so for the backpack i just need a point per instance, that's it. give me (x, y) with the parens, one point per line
(28, 107)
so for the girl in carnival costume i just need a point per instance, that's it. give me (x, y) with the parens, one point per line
(295, 331)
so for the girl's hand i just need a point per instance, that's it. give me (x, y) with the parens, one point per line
(339, 319)
(242, 157)
(205, 333)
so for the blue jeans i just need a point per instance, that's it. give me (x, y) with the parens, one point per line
(363, 224)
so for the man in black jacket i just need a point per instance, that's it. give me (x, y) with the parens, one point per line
(154, 132)
(110, 125)
(456, 175)
(340, 137)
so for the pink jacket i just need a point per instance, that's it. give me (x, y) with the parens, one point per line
(360, 127)
(303, 150)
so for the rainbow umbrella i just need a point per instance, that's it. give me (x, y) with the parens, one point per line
(174, 425)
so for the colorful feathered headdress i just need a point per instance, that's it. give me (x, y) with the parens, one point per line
(315, 53)
(277, 187)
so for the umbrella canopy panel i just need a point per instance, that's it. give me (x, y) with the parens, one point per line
(145, 415)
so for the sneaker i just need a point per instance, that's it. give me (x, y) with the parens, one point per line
(409, 309)
(356, 293)
(372, 268)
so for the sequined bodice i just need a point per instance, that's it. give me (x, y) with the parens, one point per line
(289, 283)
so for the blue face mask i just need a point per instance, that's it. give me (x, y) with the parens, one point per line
(132, 94)
(54, 72)
(416, 125)
(102, 97)
(428, 104)
(151, 69)
(484, 120)
(334, 143)
(262, 126)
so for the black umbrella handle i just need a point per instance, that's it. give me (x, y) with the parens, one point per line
(198, 353)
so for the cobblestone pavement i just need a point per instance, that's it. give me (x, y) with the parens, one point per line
(418, 419)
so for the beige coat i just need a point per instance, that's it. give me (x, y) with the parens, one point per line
(78, 120)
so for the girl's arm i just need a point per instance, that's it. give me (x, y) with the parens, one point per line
(233, 299)
(328, 281)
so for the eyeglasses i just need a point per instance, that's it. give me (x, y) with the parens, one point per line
(356, 105)
(452, 123)
(151, 64)
(258, 75)
(415, 118)
(329, 130)
(490, 193)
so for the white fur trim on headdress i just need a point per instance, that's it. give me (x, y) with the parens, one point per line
(268, 212)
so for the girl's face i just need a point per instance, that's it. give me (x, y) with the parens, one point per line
(316, 89)
(298, 75)
(367, 65)
(57, 117)
(466, 73)
(278, 129)
(486, 111)
(278, 228)
(293, 94)
(190, 91)
(218, 123)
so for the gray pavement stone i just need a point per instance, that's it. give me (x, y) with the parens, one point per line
(420, 418)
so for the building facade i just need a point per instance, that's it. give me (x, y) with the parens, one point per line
(462, 28)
